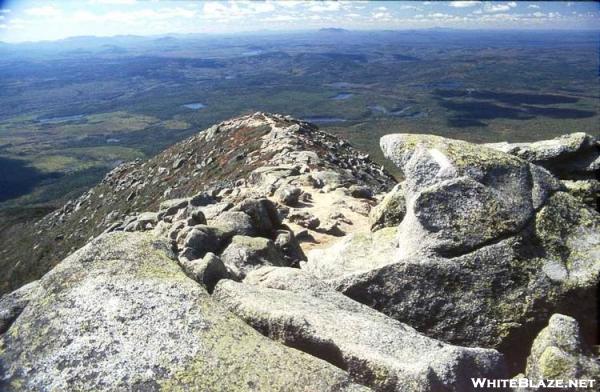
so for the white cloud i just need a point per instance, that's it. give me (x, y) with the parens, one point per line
(499, 7)
(280, 18)
(133, 17)
(382, 16)
(16, 23)
(381, 8)
(533, 6)
(113, 2)
(463, 4)
(290, 3)
(325, 6)
(47, 11)
(235, 10)
(439, 15)
(5, 11)
(410, 7)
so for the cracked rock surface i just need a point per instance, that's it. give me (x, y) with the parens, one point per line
(265, 255)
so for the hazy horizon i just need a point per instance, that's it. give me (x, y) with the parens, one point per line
(34, 21)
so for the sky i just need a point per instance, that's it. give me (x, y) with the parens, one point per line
(36, 20)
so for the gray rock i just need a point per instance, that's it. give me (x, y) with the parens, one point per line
(206, 271)
(178, 163)
(304, 219)
(199, 240)
(272, 176)
(586, 191)
(573, 156)
(196, 217)
(496, 296)
(235, 223)
(263, 214)
(170, 207)
(246, 253)
(288, 195)
(328, 178)
(377, 351)
(211, 211)
(12, 304)
(353, 254)
(452, 186)
(202, 199)
(390, 211)
(360, 192)
(558, 353)
(544, 185)
(288, 245)
(119, 314)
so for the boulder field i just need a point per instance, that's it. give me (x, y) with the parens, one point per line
(291, 262)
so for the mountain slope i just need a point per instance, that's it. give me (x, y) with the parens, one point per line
(213, 160)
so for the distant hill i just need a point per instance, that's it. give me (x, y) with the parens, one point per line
(333, 30)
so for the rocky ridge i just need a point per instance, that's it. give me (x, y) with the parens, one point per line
(249, 155)
(286, 260)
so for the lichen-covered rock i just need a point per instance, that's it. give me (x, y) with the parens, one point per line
(12, 304)
(390, 211)
(246, 253)
(586, 191)
(572, 156)
(377, 351)
(452, 186)
(206, 271)
(119, 314)
(495, 296)
(558, 353)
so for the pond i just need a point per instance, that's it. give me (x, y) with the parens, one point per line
(194, 105)
(60, 119)
(397, 112)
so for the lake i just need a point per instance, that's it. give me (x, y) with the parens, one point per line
(61, 119)
(194, 105)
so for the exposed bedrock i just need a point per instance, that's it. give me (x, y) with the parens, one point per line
(488, 249)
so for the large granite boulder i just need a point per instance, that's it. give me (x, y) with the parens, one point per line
(453, 186)
(559, 353)
(120, 314)
(291, 306)
(572, 156)
(390, 211)
(488, 250)
(246, 253)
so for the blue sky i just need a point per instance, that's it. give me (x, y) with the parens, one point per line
(48, 20)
